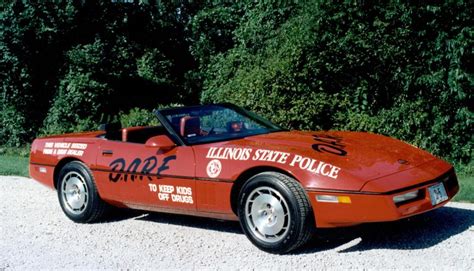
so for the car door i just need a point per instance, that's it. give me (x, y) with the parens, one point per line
(141, 176)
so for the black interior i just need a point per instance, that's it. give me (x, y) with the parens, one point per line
(113, 131)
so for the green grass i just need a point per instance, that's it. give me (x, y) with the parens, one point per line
(16, 165)
(467, 189)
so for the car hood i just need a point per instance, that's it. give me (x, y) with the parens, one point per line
(361, 156)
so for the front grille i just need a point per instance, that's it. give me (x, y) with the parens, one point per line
(449, 180)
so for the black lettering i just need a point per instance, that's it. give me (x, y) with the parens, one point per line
(116, 165)
(329, 149)
(165, 166)
(329, 140)
(149, 164)
(132, 169)
(329, 144)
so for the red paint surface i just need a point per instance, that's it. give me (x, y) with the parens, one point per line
(370, 173)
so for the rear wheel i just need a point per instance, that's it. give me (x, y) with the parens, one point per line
(78, 194)
(275, 213)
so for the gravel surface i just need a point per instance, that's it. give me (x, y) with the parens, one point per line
(36, 234)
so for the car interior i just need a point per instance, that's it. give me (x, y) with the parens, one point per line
(138, 134)
(187, 126)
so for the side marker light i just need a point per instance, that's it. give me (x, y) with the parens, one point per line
(333, 199)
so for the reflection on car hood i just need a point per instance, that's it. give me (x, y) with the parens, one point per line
(365, 156)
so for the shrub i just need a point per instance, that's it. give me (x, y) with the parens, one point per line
(400, 69)
(12, 127)
(138, 117)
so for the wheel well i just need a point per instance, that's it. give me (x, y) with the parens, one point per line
(244, 176)
(58, 168)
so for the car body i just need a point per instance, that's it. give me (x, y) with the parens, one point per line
(224, 162)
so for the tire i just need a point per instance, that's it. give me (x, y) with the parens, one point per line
(77, 194)
(275, 213)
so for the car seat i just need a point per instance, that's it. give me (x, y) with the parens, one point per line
(190, 126)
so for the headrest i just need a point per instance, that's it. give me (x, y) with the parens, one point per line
(190, 126)
(235, 126)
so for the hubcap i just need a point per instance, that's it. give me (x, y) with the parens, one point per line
(267, 214)
(74, 192)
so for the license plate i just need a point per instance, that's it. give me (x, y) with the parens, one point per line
(437, 193)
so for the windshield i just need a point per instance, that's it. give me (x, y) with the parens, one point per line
(211, 123)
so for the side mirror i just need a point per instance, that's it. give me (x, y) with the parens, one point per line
(161, 142)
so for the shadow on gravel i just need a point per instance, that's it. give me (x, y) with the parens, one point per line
(418, 232)
(192, 221)
(121, 214)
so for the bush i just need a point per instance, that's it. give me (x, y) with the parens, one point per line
(142, 117)
(32, 39)
(70, 65)
(12, 127)
(402, 69)
(138, 117)
(78, 103)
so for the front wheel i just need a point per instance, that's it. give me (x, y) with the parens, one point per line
(78, 194)
(275, 213)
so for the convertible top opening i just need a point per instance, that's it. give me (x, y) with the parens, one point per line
(214, 123)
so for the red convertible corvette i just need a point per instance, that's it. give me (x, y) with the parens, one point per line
(224, 162)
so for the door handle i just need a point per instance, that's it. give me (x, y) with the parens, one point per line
(107, 152)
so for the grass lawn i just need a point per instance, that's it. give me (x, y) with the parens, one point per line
(18, 166)
(467, 189)
(14, 165)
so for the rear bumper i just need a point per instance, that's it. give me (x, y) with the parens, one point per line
(44, 174)
(378, 207)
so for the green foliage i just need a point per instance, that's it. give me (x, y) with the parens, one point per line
(30, 35)
(13, 165)
(138, 117)
(401, 69)
(212, 30)
(154, 66)
(23, 151)
(78, 101)
(12, 131)
(466, 193)
(142, 117)
(69, 66)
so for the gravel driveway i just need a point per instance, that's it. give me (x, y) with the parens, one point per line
(35, 234)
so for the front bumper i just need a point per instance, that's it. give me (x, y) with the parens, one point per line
(377, 207)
